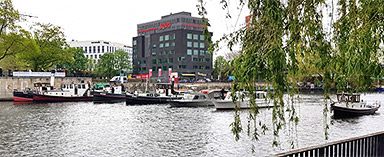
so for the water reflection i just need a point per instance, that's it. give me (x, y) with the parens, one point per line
(87, 129)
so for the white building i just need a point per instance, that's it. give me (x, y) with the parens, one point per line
(95, 49)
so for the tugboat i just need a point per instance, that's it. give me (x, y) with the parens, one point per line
(350, 105)
(27, 94)
(110, 94)
(67, 92)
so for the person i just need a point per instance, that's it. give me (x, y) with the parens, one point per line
(113, 89)
(222, 92)
(9, 72)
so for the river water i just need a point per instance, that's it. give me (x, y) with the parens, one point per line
(87, 129)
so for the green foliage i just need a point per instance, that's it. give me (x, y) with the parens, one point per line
(11, 35)
(220, 67)
(80, 62)
(44, 48)
(285, 42)
(111, 64)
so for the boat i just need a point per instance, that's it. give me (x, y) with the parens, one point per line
(350, 105)
(27, 94)
(163, 94)
(66, 93)
(380, 88)
(243, 102)
(192, 100)
(110, 94)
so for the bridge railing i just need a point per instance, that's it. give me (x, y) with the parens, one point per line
(364, 146)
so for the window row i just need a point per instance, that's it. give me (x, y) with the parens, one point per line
(93, 56)
(163, 53)
(195, 36)
(195, 44)
(161, 45)
(167, 37)
(98, 49)
(196, 52)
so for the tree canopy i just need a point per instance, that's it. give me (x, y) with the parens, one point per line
(285, 41)
(80, 62)
(111, 64)
(45, 47)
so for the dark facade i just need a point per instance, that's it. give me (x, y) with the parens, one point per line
(177, 42)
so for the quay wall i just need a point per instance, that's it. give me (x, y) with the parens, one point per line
(8, 84)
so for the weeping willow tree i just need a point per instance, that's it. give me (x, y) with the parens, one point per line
(285, 41)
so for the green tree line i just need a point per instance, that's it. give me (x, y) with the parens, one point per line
(44, 47)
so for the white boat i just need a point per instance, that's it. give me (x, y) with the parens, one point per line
(67, 92)
(192, 100)
(349, 105)
(242, 103)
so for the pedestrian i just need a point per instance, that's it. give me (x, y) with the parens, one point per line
(222, 92)
(9, 72)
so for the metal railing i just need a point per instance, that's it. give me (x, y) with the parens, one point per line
(364, 146)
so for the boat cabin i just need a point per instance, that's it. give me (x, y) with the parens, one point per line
(70, 89)
(352, 98)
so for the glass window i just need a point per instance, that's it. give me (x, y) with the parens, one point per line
(202, 67)
(201, 59)
(160, 53)
(134, 56)
(164, 60)
(202, 53)
(172, 44)
(134, 50)
(195, 52)
(189, 52)
(153, 53)
(170, 60)
(153, 61)
(189, 44)
(189, 36)
(134, 43)
(159, 61)
(172, 36)
(195, 44)
(138, 62)
(166, 45)
(161, 38)
(144, 61)
(161, 45)
(87, 56)
(207, 67)
(102, 49)
(182, 66)
(207, 52)
(166, 37)
(195, 59)
(195, 37)
(207, 59)
(153, 68)
(154, 46)
(195, 67)
(165, 68)
(172, 52)
(181, 59)
(202, 45)
(202, 37)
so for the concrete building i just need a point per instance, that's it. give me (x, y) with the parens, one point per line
(95, 49)
(175, 41)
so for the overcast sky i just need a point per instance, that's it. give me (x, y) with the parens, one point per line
(116, 20)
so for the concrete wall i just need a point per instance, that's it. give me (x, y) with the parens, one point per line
(8, 84)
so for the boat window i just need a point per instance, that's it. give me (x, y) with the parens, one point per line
(71, 86)
(79, 86)
(83, 86)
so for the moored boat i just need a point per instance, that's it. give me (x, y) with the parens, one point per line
(192, 100)
(350, 105)
(67, 92)
(110, 94)
(164, 93)
(243, 102)
(27, 94)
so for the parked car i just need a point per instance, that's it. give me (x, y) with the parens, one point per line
(117, 79)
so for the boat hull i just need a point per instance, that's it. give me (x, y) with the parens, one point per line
(22, 96)
(182, 103)
(105, 98)
(143, 100)
(342, 111)
(48, 98)
(229, 105)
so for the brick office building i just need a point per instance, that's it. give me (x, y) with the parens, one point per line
(175, 41)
